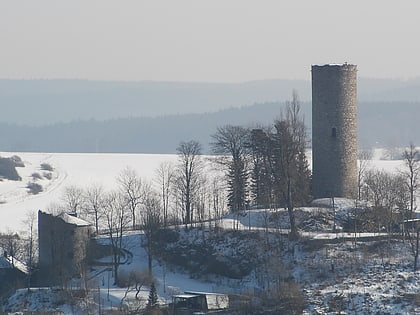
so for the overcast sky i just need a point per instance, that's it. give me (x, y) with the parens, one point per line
(206, 40)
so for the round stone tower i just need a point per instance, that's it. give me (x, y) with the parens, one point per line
(334, 130)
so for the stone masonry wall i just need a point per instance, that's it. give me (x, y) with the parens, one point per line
(334, 130)
(62, 247)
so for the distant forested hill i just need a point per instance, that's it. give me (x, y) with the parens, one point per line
(42, 102)
(386, 124)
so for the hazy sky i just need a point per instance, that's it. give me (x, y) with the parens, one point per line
(206, 40)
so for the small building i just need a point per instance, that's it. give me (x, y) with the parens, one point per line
(192, 302)
(13, 274)
(63, 246)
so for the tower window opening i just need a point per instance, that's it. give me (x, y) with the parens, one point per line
(334, 132)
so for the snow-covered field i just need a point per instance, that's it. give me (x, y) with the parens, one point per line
(83, 170)
(80, 170)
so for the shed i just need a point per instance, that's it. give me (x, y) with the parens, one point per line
(13, 274)
(195, 302)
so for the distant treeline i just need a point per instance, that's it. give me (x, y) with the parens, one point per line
(40, 102)
(385, 124)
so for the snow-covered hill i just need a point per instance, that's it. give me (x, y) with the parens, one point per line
(356, 277)
(83, 170)
(79, 170)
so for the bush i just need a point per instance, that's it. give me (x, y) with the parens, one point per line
(8, 169)
(34, 188)
(36, 176)
(18, 161)
(46, 167)
(137, 278)
(48, 176)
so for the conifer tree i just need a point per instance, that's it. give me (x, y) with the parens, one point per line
(229, 144)
(152, 301)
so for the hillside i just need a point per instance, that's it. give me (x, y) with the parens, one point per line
(54, 101)
(61, 101)
(153, 117)
(247, 255)
(261, 269)
(383, 124)
(83, 170)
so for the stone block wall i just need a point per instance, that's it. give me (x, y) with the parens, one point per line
(334, 130)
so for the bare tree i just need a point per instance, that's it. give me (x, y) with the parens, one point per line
(151, 224)
(201, 200)
(411, 158)
(117, 218)
(230, 145)
(288, 164)
(134, 281)
(414, 239)
(10, 242)
(165, 179)
(131, 188)
(94, 197)
(188, 175)
(388, 196)
(364, 157)
(217, 199)
(73, 198)
(30, 244)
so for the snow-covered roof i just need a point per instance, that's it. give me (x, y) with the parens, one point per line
(411, 220)
(8, 262)
(73, 220)
(185, 296)
(332, 64)
(202, 293)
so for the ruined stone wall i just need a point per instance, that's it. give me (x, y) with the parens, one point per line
(334, 130)
(62, 247)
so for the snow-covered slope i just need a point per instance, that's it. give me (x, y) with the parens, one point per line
(383, 279)
(80, 170)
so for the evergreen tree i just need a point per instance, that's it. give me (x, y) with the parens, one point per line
(152, 301)
(229, 144)
(280, 170)
(261, 187)
(237, 183)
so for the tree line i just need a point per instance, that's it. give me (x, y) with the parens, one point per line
(267, 166)
(249, 167)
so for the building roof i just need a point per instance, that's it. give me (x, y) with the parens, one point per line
(185, 296)
(203, 293)
(73, 220)
(8, 262)
(333, 64)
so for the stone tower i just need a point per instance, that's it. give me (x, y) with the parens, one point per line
(334, 130)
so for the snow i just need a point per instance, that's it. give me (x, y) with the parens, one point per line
(332, 64)
(84, 170)
(81, 170)
(73, 220)
(8, 262)
(380, 281)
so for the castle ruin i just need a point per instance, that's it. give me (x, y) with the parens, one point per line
(63, 246)
(334, 130)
